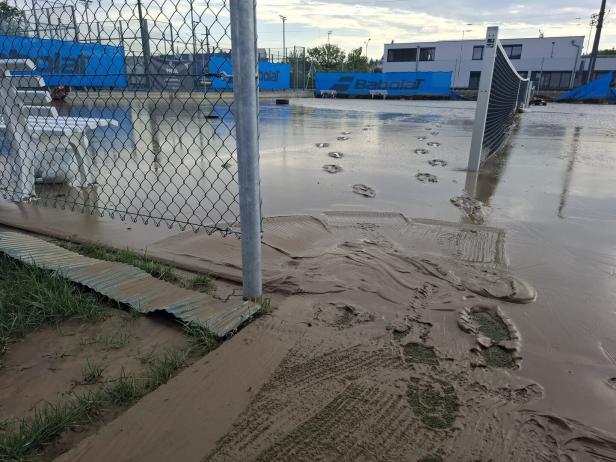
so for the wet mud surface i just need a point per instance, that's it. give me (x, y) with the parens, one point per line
(420, 359)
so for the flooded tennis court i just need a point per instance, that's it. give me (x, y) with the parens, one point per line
(551, 191)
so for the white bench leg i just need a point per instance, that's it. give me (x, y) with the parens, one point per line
(23, 177)
(85, 168)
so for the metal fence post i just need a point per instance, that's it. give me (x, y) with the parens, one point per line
(243, 43)
(483, 98)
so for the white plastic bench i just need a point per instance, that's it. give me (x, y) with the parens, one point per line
(381, 93)
(328, 93)
(47, 147)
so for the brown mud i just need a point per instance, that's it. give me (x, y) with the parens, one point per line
(390, 341)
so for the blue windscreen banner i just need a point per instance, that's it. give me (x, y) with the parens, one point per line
(601, 89)
(70, 63)
(272, 76)
(394, 83)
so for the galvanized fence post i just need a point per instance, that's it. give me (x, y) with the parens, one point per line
(243, 44)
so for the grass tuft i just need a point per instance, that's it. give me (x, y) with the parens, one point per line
(92, 372)
(202, 283)
(32, 297)
(202, 340)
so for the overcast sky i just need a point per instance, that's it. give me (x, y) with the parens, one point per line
(352, 22)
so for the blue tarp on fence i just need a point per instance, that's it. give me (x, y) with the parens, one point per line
(599, 89)
(70, 63)
(395, 83)
(272, 76)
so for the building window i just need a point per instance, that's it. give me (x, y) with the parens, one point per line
(474, 80)
(427, 54)
(400, 55)
(478, 53)
(555, 80)
(513, 51)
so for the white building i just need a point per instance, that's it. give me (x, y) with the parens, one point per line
(549, 61)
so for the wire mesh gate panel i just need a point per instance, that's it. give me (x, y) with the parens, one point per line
(121, 107)
(502, 93)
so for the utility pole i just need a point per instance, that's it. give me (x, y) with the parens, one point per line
(284, 38)
(194, 38)
(145, 44)
(595, 48)
(329, 34)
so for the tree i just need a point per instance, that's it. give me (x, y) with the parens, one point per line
(327, 57)
(12, 20)
(356, 61)
(611, 52)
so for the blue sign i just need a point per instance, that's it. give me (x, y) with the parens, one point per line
(69, 63)
(395, 83)
(272, 76)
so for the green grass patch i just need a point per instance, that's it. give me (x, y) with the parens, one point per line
(31, 297)
(22, 440)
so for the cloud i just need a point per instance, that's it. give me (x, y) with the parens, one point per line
(353, 21)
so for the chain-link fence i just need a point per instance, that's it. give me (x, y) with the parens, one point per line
(127, 108)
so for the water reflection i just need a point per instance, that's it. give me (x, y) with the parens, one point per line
(575, 148)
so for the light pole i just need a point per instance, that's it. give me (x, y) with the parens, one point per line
(194, 37)
(86, 4)
(284, 38)
(329, 34)
(366, 43)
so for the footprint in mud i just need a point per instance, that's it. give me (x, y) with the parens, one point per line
(422, 138)
(434, 401)
(332, 168)
(322, 145)
(349, 316)
(434, 133)
(426, 178)
(336, 155)
(437, 163)
(434, 144)
(364, 190)
(473, 208)
(343, 138)
(421, 151)
(428, 129)
(345, 133)
(497, 338)
(365, 129)
(418, 353)
(612, 383)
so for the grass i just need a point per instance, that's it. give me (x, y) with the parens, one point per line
(202, 340)
(24, 439)
(200, 282)
(92, 372)
(31, 297)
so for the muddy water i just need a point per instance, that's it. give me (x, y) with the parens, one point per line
(551, 192)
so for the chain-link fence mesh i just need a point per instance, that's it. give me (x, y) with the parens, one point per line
(121, 107)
